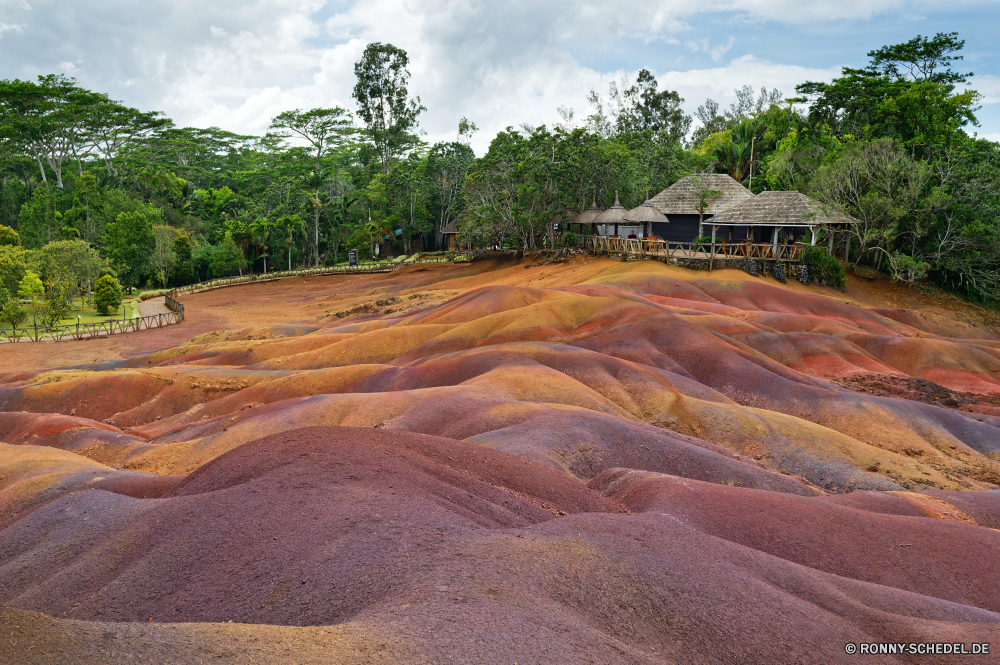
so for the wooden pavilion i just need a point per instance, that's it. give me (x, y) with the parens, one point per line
(607, 222)
(641, 219)
(784, 216)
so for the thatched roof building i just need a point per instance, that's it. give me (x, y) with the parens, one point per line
(681, 198)
(782, 209)
(645, 213)
(612, 215)
(589, 215)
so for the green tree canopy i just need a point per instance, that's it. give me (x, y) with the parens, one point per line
(130, 244)
(384, 103)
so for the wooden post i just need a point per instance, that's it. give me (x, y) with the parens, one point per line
(847, 248)
(830, 231)
(774, 243)
(711, 258)
(813, 229)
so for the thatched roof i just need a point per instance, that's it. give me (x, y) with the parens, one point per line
(612, 215)
(452, 227)
(589, 215)
(681, 198)
(644, 213)
(781, 209)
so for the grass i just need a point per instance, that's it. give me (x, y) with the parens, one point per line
(88, 314)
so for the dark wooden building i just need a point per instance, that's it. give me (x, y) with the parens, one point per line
(679, 203)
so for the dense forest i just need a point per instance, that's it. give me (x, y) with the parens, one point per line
(94, 189)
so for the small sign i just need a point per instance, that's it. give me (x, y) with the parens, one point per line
(352, 257)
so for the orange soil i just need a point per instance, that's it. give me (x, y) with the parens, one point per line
(626, 462)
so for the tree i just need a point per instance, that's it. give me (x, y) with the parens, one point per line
(32, 290)
(881, 185)
(228, 259)
(327, 131)
(384, 103)
(289, 226)
(746, 107)
(163, 257)
(107, 295)
(184, 272)
(637, 107)
(130, 244)
(9, 237)
(646, 108)
(13, 265)
(111, 127)
(57, 301)
(880, 101)
(921, 57)
(71, 262)
(48, 119)
(706, 197)
(447, 165)
(40, 218)
(13, 313)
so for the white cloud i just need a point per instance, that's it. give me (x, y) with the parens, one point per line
(10, 27)
(237, 64)
(988, 86)
(716, 52)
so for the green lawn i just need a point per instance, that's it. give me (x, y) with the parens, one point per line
(88, 314)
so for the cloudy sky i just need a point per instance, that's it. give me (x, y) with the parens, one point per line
(237, 63)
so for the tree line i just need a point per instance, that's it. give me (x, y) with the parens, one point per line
(164, 205)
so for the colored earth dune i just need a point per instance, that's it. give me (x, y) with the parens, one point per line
(587, 462)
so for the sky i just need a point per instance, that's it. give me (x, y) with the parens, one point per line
(236, 64)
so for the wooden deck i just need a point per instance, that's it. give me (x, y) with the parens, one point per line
(641, 248)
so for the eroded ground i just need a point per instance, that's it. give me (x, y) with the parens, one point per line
(580, 462)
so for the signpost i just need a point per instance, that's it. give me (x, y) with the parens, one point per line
(352, 258)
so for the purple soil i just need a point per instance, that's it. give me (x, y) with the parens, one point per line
(482, 556)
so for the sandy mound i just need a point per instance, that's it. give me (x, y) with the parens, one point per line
(503, 462)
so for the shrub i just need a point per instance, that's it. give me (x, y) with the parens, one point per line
(13, 313)
(9, 237)
(907, 269)
(825, 268)
(107, 295)
(569, 238)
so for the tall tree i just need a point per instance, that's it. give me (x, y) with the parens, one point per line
(130, 244)
(903, 93)
(447, 164)
(646, 108)
(49, 119)
(328, 132)
(383, 100)
(636, 107)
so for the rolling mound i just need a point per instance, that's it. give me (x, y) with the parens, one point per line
(581, 462)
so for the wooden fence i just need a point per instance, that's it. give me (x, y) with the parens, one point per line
(79, 331)
(668, 249)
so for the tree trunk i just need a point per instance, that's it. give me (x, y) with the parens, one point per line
(316, 236)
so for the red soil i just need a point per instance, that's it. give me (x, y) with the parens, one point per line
(442, 461)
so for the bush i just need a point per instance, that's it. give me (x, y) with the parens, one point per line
(825, 268)
(569, 239)
(13, 313)
(9, 237)
(107, 295)
(907, 269)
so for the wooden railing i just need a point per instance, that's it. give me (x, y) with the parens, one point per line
(643, 248)
(79, 331)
